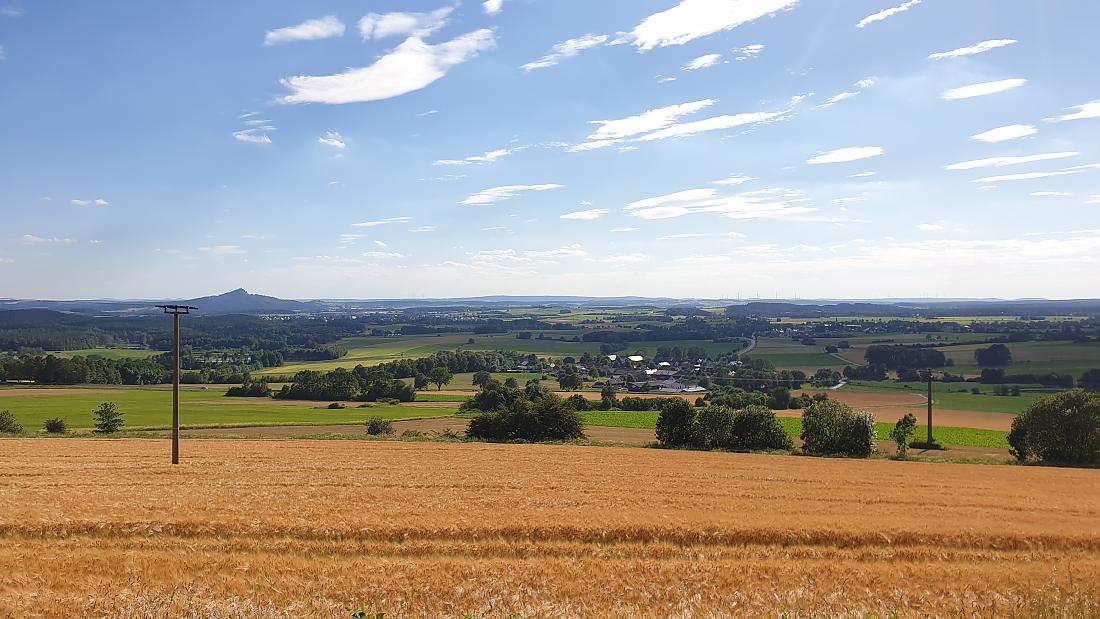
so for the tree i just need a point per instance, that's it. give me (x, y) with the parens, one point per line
(995, 355)
(440, 376)
(482, 378)
(831, 427)
(512, 383)
(902, 432)
(1062, 428)
(421, 381)
(676, 423)
(108, 419)
(607, 398)
(570, 381)
(56, 425)
(1090, 380)
(779, 398)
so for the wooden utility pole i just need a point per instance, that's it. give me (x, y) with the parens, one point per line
(176, 311)
(928, 376)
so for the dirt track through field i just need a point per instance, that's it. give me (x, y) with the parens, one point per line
(313, 529)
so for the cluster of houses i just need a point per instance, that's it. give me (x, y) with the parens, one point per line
(633, 373)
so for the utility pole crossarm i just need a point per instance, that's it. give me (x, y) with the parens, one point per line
(176, 311)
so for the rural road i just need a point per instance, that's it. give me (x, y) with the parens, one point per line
(747, 350)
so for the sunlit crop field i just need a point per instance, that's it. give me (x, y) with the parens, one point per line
(105, 528)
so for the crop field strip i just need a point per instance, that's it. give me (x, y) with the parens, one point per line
(444, 530)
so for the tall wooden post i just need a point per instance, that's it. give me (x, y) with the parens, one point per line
(175, 311)
(929, 376)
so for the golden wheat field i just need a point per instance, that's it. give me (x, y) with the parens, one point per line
(105, 528)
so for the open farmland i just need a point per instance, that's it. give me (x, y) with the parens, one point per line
(1034, 358)
(151, 407)
(784, 354)
(430, 529)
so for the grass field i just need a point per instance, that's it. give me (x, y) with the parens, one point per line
(946, 395)
(153, 408)
(963, 437)
(317, 528)
(1033, 358)
(786, 354)
(107, 353)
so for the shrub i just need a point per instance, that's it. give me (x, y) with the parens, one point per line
(336, 406)
(832, 427)
(389, 401)
(676, 423)
(8, 424)
(902, 432)
(714, 425)
(1062, 428)
(756, 428)
(108, 419)
(56, 425)
(376, 426)
(411, 434)
(577, 402)
(252, 389)
(544, 418)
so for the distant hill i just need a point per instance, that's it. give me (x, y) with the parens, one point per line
(240, 301)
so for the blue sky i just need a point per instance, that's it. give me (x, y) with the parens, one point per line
(707, 148)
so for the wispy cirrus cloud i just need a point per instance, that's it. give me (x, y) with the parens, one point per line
(566, 49)
(94, 202)
(333, 139)
(748, 52)
(977, 48)
(1003, 134)
(771, 203)
(886, 13)
(982, 89)
(222, 250)
(715, 123)
(382, 222)
(488, 157)
(33, 239)
(409, 67)
(585, 215)
(998, 162)
(736, 179)
(1028, 176)
(844, 155)
(848, 94)
(702, 62)
(310, 30)
(694, 19)
(499, 194)
(1084, 111)
(255, 131)
(381, 26)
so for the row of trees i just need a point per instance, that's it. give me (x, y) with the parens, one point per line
(52, 370)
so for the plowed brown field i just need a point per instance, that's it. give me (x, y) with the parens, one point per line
(104, 528)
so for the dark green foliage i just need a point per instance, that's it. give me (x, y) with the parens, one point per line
(995, 355)
(630, 403)
(577, 402)
(480, 378)
(335, 406)
(1090, 380)
(440, 376)
(737, 398)
(894, 357)
(544, 418)
(360, 384)
(1060, 429)
(56, 425)
(51, 370)
(108, 419)
(779, 398)
(570, 381)
(493, 397)
(833, 428)
(376, 426)
(676, 423)
(251, 389)
(756, 428)
(903, 432)
(753, 428)
(420, 381)
(8, 424)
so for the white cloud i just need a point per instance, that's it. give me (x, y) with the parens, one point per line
(566, 49)
(977, 48)
(702, 62)
(862, 175)
(1085, 110)
(885, 13)
(997, 162)
(844, 155)
(617, 230)
(492, 7)
(847, 94)
(374, 25)
(688, 195)
(1093, 199)
(715, 123)
(664, 79)
(31, 239)
(333, 139)
(1027, 176)
(569, 251)
(382, 254)
(646, 122)
(222, 250)
(735, 180)
(983, 89)
(747, 52)
(1002, 134)
(95, 202)
(866, 82)
(348, 239)
(498, 194)
(409, 67)
(772, 203)
(12, 11)
(1049, 194)
(930, 227)
(684, 235)
(634, 258)
(310, 30)
(589, 214)
(3, 55)
(488, 157)
(382, 222)
(423, 229)
(693, 19)
(378, 243)
(252, 136)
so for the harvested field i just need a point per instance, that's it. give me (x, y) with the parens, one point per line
(313, 529)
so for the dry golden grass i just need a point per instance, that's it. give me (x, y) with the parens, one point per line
(104, 528)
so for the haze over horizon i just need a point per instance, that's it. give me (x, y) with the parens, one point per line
(783, 149)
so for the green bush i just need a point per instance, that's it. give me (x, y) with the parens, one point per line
(335, 406)
(676, 423)
(8, 424)
(56, 425)
(1060, 429)
(833, 428)
(755, 428)
(108, 419)
(251, 389)
(376, 426)
(577, 402)
(713, 427)
(902, 432)
(544, 418)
